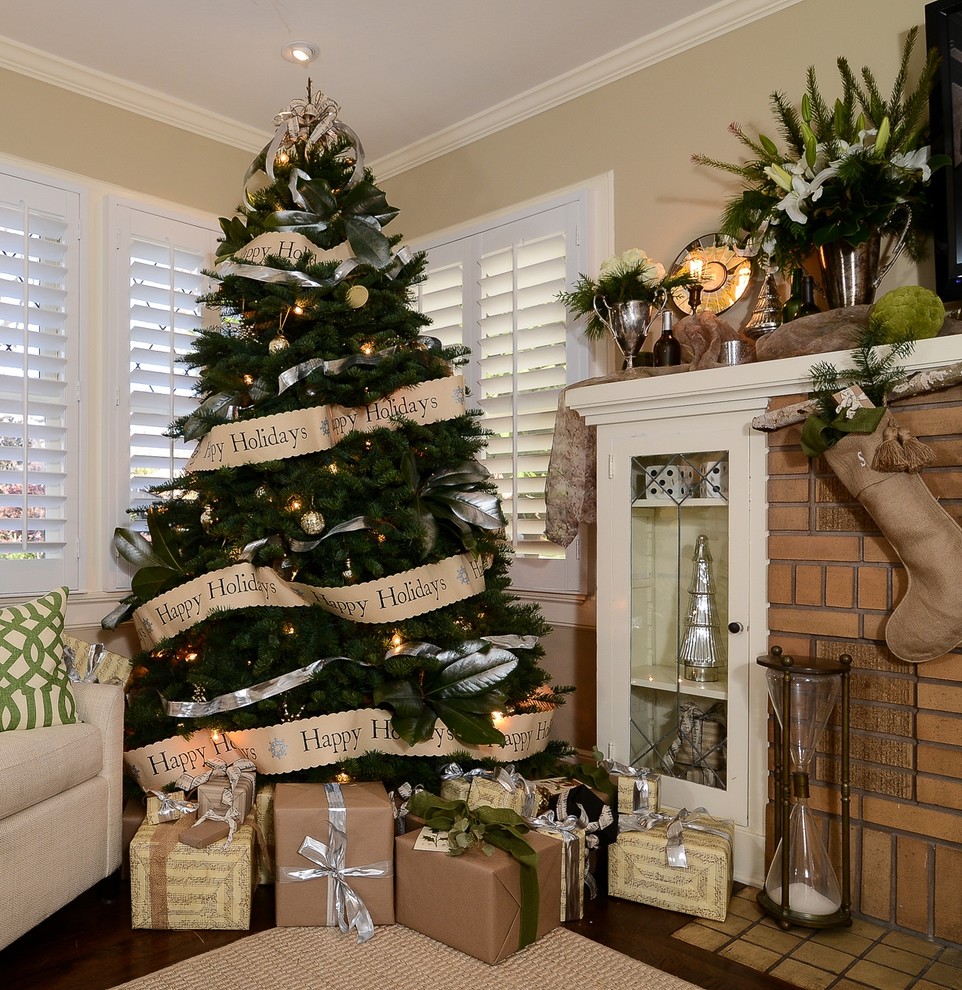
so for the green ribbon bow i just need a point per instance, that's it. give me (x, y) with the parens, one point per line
(499, 827)
(818, 435)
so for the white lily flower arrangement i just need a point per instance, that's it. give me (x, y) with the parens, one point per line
(847, 171)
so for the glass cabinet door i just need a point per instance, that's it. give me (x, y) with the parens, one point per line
(679, 605)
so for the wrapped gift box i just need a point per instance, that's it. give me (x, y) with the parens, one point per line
(602, 827)
(472, 902)
(264, 820)
(638, 794)
(302, 811)
(169, 808)
(133, 818)
(574, 855)
(486, 793)
(174, 886)
(639, 870)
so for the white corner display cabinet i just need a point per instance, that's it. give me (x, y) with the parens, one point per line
(682, 579)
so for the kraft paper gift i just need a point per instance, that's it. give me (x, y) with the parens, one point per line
(174, 887)
(472, 902)
(639, 868)
(358, 852)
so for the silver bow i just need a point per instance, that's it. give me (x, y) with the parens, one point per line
(641, 797)
(171, 808)
(675, 852)
(232, 772)
(400, 799)
(344, 908)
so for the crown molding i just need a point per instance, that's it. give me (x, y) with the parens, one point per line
(108, 89)
(720, 19)
(724, 17)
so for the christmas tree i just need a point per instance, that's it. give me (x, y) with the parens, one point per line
(327, 582)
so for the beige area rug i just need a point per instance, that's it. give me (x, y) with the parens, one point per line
(324, 959)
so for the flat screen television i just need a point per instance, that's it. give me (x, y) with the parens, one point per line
(943, 30)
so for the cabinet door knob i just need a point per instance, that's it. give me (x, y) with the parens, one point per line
(735, 627)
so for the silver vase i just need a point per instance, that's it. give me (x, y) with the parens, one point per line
(850, 275)
(628, 323)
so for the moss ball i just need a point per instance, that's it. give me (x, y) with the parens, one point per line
(908, 313)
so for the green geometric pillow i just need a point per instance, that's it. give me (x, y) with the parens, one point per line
(34, 686)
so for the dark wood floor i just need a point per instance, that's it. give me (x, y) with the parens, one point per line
(89, 945)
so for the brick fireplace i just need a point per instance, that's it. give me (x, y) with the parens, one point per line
(832, 581)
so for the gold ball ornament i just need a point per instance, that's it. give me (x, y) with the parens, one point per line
(357, 296)
(279, 343)
(312, 522)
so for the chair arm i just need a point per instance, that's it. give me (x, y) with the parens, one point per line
(102, 705)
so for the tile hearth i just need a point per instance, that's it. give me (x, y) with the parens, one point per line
(856, 958)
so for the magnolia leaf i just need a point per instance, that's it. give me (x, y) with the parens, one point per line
(120, 614)
(318, 198)
(365, 199)
(369, 245)
(409, 469)
(159, 543)
(474, 672)
(135, 548)
(490, 701)
(412, 719)
(470, 727)
(149, 582)
(480, 509)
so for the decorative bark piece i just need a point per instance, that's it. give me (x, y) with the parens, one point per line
(835, 330)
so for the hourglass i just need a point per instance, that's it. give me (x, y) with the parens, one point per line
(801, 887)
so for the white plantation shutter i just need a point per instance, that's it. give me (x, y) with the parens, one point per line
(522, 367)
(39, 381)
(494, 289)
(158, 275)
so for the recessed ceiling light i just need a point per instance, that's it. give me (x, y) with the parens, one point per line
(300, 52)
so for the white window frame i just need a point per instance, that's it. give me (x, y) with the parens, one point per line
(126, 219)
(23, 578)
(589, 223)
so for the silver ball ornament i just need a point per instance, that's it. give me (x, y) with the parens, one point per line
(279, 343)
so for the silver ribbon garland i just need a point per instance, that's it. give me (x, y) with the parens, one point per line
(264, 273)
(344, 908)
(676, 824)
(249, 696)
(295, 678)
(171, 807)
(301, 371)
(641, 798)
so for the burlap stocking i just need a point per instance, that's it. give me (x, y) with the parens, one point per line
(928, 620)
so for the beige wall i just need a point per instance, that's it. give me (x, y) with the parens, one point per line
(58, 129)
(645, 127)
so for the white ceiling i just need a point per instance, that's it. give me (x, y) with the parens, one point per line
(410, 75)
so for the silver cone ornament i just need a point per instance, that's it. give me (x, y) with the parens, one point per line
(767, 315)
(700, 647)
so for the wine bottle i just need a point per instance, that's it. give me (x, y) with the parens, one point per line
(667, 350)
(808, 305)
(794, 301)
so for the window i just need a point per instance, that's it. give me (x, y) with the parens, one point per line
(40, 307)
(493, 287)
(156, 275)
